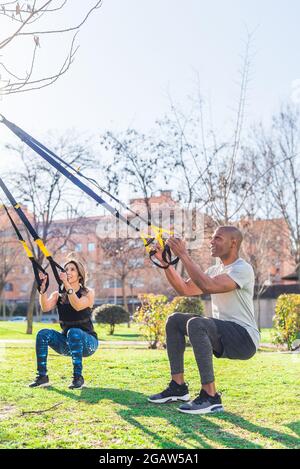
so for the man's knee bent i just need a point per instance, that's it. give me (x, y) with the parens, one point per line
(173, 322)
(196, 325)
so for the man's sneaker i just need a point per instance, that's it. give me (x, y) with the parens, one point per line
(174, 392)
(40, 382)
(203, 404)
(77, 383)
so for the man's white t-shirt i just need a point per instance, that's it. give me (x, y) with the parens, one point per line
(236, 305)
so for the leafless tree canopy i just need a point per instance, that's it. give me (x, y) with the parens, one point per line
(49, 196)
(8, 258)
(24, 30)
(280, 148)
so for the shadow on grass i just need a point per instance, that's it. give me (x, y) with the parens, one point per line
(286, 440)
(295, 427)
(197, 431)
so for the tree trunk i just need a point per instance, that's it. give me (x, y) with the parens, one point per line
(31, 309)
(258, 312)
(125, 302)
(124, 296)
(153, 345)
(11, 311)
(4, 310)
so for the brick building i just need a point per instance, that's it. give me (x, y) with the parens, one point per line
(120, 270)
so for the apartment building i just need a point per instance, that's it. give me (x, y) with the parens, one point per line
(119, 268)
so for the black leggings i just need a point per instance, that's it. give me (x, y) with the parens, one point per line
(204, 338)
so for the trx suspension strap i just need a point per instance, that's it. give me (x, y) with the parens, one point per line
(52, 158)
(33, 233)
(35, 265)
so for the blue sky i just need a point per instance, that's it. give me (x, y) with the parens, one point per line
(133, 53)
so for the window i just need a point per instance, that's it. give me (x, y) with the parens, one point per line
(9, 287)
(138, 262)
(136, 283)
(135, 243)
(112, 283)
(24, 288)
(91, 247)
(78, 247)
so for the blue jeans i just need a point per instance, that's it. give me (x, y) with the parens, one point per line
(77, 344)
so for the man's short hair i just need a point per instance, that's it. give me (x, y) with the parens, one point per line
(234, 232)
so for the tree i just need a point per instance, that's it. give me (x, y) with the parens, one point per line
(280, 146)
(287, 321)
(49, 196)
(9, 254)
(25, 30)
(206, 168)
(188, 305)
(124, 257)
(152, 316)
(112, 315)
(8, 258)
(265, 247)
(135, 160)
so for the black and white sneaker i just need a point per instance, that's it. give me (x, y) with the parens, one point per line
(77, 383)
(203, 404)
(40, 382)
(174, 392)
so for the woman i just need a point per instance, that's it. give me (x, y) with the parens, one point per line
(78, 338)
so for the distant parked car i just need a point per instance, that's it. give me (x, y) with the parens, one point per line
(18, 318)
(49, 320)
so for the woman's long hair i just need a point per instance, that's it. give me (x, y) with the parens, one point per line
(82, 274)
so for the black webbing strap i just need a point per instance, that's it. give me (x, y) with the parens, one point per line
(33, 233)
(51, 158)
(35, 265)
(36, 269)
(166, 256)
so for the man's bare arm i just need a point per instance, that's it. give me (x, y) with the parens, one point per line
(182, 287)
(219, 284)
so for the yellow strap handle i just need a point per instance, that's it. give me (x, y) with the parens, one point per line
(26, 248)
(42, 247)
(158, 232)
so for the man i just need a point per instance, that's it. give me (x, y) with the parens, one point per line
(230, 333)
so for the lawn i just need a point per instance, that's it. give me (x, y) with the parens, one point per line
(17, 330)
(261, 398)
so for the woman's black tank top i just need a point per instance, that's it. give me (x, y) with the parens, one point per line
(69, 317)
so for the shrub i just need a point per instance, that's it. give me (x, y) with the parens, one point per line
(151, 316)
(287, 320)
(189, 305)
(112, 315)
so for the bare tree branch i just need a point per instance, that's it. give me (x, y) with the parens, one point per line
(12, 81)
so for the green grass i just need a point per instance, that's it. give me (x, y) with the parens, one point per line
(17, 330)
(261, 399)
